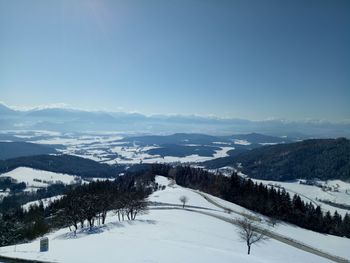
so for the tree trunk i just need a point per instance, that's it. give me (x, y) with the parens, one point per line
(104, 215)
(248, 249)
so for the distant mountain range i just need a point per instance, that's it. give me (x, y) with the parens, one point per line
(70, 120)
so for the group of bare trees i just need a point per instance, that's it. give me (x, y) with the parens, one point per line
(130, 205)
(91, 203)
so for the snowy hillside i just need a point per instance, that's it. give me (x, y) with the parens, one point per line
(335, 191)
(169, 233)
(45, 201)
(38, 178)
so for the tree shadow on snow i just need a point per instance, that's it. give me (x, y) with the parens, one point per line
(102, 228)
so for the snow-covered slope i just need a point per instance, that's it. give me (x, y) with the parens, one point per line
(38, 178)
(335, 191)
(46, 202)
(328, 243)
(166, 235)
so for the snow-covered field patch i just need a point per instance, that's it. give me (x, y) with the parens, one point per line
(46, 202)
(241, 142)
(38, 178)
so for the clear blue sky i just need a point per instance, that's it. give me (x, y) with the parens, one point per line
(247, 59)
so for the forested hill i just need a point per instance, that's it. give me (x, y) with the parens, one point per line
(316, 158)
(62, 164)
(17, 149)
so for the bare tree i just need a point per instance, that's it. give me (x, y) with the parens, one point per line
(183, 199)
(272, 221)
(249, 232)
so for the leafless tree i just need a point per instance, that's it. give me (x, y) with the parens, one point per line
(183, 200)
(249, 232)
(272, 221)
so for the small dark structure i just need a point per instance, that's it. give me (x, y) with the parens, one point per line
(44, 244)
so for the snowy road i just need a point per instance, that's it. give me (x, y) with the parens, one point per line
(271, 234)
(268, 233)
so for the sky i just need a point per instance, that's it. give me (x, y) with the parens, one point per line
(239, 58)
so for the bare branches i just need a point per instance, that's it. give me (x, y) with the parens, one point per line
(249, 232)
(183, 199)
(91, 203)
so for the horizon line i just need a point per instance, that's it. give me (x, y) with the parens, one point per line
(65, 106)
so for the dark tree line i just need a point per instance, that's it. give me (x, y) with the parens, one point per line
(83, 205)
(9, 183)
(64, 163)
(268, 201)
(9, 204)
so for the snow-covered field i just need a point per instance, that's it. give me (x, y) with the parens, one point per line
(38, 178)
(109, 148)
(176, 236)
(335, 191)
(137, 154)
(242, 142)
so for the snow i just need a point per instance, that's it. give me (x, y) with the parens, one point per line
(222, 143)
(38, 178)
(137, 154)
(241, 142)
(95, 179)
(101, 148)
(3, 194)
(173, 159)
(161, 236)
(172, 193)
(223, 152)
(46, 202)
(332, 244)
(78, 140)
(311, 193)
(176, 236)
